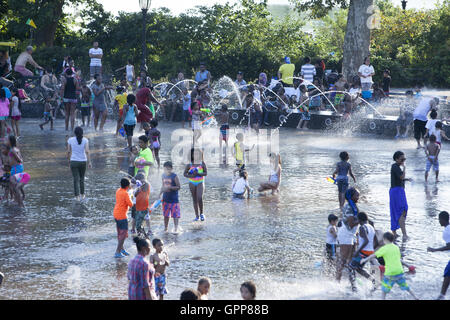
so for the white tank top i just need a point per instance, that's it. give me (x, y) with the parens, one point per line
(370, 232)
(78, 153)
(330, 238)
(129, 70)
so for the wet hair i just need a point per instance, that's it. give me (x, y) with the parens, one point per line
(190, 294)
(432, 138)
(156, 241)
(251, 287)
(243, 174)
(409, 93)
(12, 141)
(143, 138)
(153, 123)
(443, 215)
(193, 150)
(389, 236)
(362, 216)
(131, 99)
(124, 182)
(193, 104)
(438, 125)
(307, 60)
(204, 280)
(433, 114)
(332, 217)
(140, 243)
(79, 134)
(397, 155)
(224, 107)
(344, 156)
(168, 164)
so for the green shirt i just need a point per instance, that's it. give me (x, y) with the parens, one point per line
(287, 71)
(147, 154)
(392, 259)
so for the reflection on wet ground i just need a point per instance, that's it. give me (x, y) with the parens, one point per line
(58, 249)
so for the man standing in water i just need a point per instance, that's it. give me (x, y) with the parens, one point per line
(444, 221)
(420, 118)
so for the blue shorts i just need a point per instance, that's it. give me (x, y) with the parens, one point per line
(160, 285)
(447, 270)
(389, 281)
(18, 168)
(435, 165)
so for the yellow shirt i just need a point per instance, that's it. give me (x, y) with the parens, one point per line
(121, 100)
(287, 71)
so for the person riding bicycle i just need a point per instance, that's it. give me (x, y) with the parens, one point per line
(21, 62)
(48, 84)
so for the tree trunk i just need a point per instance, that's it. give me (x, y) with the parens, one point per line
(45, 33)
(357, 36)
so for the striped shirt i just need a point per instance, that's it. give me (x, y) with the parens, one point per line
(308, 72)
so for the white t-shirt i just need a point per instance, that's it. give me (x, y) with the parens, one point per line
(96, 62)
(330, 238)
(129, 69)
(422, 109)
(240, 186)
(431, 124)
(365, 70)
(78, 153)
(15, 106)
(446, 234)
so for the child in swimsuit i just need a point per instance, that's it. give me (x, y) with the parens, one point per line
(223, 117)
(154, 137)
(343, 169)
(48, 114)
(196, 172)
(160, 260)
(275, 175)
(16, 160)
(18, 181)
(196, 121)
(239, 149)
(169, 191)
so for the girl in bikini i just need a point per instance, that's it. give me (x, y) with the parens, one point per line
(15, 158)
(196, 172)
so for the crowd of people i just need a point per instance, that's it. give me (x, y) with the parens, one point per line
(351, 239)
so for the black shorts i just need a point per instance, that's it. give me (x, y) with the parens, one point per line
(133, 212)
(129, 129)
(419, 129)
(85, 111)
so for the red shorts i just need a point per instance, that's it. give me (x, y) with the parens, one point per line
(15, 118)
(120, 113)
